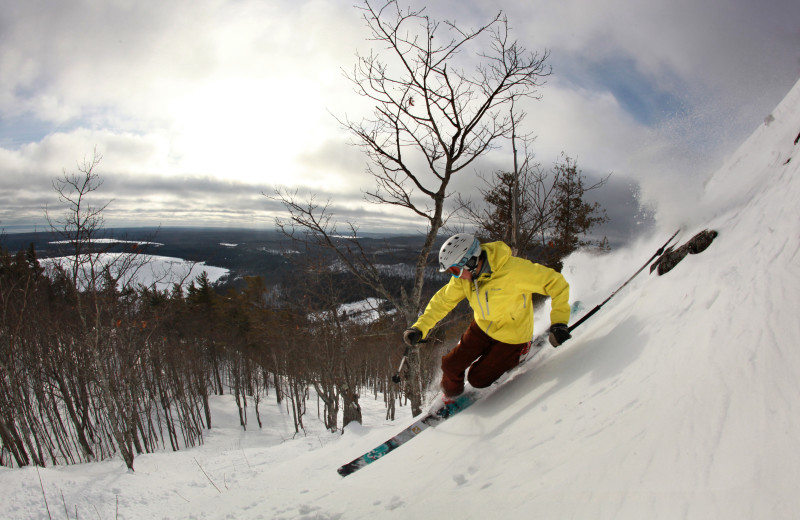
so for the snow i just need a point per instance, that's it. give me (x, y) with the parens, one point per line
(679, 399)
(161, 272)
(362, 312)
(112, 241)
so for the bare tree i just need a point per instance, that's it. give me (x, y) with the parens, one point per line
(438, 92)
(516, 203)
(80, 222)
(94, 289)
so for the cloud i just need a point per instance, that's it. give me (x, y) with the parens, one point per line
(229, 84)
(199, 107)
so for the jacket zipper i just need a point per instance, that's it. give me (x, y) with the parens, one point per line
(486, 295)
(478, 299)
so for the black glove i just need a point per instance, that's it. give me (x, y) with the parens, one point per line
(412, 336)
(559, 333)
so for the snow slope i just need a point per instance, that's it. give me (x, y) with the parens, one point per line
(680, 399)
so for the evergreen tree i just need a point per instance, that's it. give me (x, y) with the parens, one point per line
(572, 216)
(500, 198)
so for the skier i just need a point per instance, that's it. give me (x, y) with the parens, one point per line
(498, 287)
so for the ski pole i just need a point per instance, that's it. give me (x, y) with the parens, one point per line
(597, 307)
(396, 377)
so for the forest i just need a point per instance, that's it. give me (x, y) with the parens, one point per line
(88, 372)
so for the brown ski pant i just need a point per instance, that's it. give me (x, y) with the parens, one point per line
(486, 358)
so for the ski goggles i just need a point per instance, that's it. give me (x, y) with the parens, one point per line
(456, 270)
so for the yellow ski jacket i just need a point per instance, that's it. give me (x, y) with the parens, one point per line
(501, 299)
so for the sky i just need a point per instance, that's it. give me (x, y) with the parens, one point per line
(200, 108)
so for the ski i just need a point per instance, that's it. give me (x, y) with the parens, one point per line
(434, 416)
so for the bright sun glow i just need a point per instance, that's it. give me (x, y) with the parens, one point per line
(246, 130)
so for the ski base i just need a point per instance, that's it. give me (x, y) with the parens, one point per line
(436, 415)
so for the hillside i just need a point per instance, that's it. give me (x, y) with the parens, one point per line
(680, 399)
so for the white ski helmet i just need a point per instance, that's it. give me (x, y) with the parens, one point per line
(458, 250)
